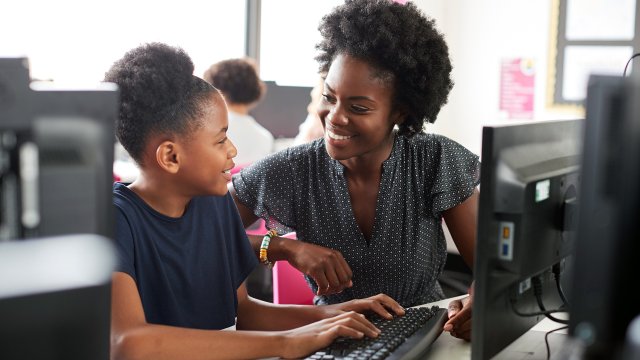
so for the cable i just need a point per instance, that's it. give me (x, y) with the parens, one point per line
(537, 290)
(545, 313)
(624, 73)
(556, 273)
(546, 339)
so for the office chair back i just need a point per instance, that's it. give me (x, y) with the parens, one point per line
(290, 286)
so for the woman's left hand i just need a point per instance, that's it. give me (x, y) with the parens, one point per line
(459, 323)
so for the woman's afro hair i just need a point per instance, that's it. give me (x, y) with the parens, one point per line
(158, 95)
(395, 39)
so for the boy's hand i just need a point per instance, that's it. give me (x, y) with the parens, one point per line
(302, 341)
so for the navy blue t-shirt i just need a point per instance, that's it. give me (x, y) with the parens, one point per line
(187, 269)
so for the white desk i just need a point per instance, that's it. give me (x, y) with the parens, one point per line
(529, 346)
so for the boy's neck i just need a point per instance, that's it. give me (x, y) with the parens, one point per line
(160, 197)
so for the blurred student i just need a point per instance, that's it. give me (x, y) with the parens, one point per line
(242, 89)
(311, 129)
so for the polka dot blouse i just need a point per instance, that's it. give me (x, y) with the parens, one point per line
(302, 189)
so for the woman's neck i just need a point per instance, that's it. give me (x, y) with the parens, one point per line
(370, 163)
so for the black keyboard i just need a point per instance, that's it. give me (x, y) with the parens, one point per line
(403, 337)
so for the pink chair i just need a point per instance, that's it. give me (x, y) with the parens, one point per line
(289, 285)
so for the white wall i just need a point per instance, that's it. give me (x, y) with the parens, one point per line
(480, 34)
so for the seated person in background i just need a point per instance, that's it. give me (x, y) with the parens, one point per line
(183, 253)
(367, 200)
(242, 89)
(311, 128)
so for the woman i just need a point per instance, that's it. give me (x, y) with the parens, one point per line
(368, 199)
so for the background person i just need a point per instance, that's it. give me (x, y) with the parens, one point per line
(242, 88)
(311, 128)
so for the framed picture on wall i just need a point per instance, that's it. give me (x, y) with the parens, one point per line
(588, 37)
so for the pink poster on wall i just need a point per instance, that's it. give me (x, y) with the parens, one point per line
(517, 80)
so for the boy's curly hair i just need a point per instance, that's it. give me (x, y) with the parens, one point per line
(397, 40)
(237, 79)
(158, 95)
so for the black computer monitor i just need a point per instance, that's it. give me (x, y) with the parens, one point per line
(608, 237)
(283, 109)
(55, 298)
(56, 156)
(526, 221)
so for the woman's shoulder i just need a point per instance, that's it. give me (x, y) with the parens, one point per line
(433, 142)
(429, 138)
(311, 148)
(301, 152)
(431, 149)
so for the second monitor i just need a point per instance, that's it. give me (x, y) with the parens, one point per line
(56, 156)
(529, 185)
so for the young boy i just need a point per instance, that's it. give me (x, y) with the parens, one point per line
(183, 252)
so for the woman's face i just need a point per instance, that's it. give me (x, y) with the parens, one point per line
(356, 111)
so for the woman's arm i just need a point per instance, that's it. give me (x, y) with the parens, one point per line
(327, 267)
(133, 338)
(461, 221)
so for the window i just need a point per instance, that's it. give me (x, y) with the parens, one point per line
(289, 33)
(589, 36)
(76, 41)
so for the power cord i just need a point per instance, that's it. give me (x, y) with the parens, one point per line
(546, 339)
(513, 302)
(537, 291)
(556, 274)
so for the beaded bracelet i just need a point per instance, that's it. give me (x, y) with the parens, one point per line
(265, 246)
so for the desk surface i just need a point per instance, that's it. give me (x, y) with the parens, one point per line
(530, 346)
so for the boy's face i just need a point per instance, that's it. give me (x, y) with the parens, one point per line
(208, 157)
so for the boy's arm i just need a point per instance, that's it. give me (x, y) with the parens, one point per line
(133, 338)
(255, 314)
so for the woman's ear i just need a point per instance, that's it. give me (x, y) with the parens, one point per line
(399, 116)
(167, 156)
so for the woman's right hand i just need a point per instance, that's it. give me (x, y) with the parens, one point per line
(305, 340)
(325, 266)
